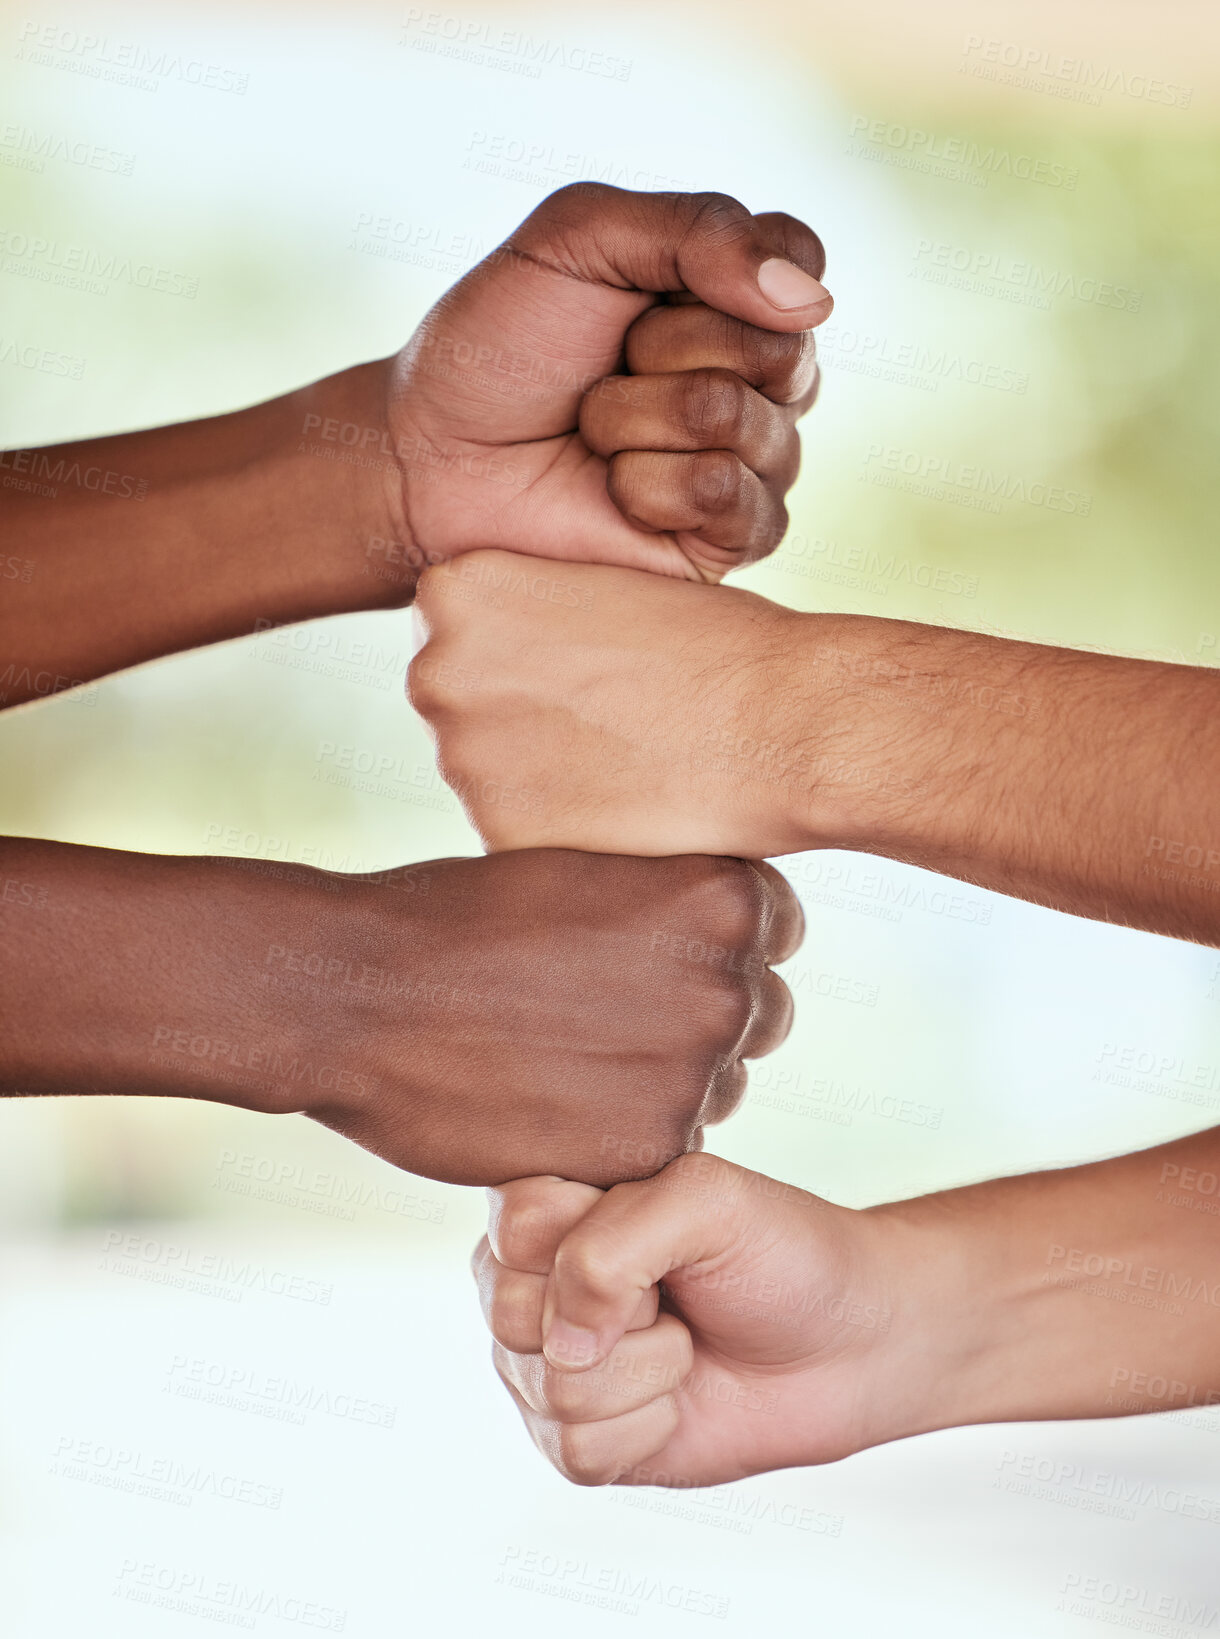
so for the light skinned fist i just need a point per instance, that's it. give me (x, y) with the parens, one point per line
(619, 382)
(588, 707)
(700, 1326)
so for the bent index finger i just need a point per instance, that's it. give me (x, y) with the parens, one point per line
(529, 1217)
(765, 270)
(786, 923)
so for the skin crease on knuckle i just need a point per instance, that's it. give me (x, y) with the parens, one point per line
(713, 406)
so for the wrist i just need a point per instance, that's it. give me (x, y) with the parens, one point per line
(221, 979)
(340, 458)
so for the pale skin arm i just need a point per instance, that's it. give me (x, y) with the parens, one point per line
(1082, 781)
(787, 1331)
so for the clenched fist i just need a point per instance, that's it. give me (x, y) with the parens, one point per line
(587, 707)
(565, 1013)
(701, 1326)
(618, 383)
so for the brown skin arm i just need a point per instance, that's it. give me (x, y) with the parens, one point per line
(148, 543)
(494, 425)
(468, 1019)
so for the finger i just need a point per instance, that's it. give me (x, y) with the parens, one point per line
(786, 920)
(772, 1019)
(529, 1217)
(764, 270)
(636, 1235)
(692, 410)
(675, 339)
(512, 1300)
(726, 1092)
(641, 1368)
(600, 1453)
(711, 494)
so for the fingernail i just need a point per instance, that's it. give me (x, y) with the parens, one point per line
(570, 1347)
(786, 286)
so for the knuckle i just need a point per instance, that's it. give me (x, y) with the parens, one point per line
(582, 1461)
(716, 216)
(773, 357)
(523, 1230)
(588, 1267)
(730, 1008)
(716, 480)
(774, 527)
(566, 1395)
(514, 1317)
(626, 487)
(423, 689)
(573, 202)
(714, 405)
(736, 901)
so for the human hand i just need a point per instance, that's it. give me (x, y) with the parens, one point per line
(700, 1326)
(571, 1013)
(618, 383)
(646, 717)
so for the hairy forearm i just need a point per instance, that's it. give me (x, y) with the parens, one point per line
(1087, 1292)
(129, 973)
(146, 543)
(1077, 780)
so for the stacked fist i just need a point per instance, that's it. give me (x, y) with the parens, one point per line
(613, 398)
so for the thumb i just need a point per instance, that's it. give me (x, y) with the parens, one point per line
(765, 270)
(691, 1211)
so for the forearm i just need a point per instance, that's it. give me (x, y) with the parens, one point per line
(147, 543)
(1077, 780)
(1087, 1292)
(129, 973)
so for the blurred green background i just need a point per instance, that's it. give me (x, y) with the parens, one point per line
(1015, 435)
